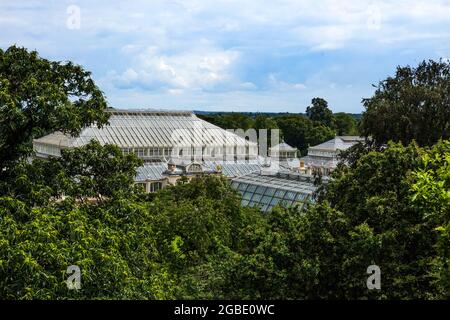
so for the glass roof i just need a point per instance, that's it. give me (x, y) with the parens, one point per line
(151, 171)
(266, 191)
(234, 168)
(134, 129)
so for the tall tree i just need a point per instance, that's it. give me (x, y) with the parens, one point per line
(318, 111)
(39, 96)
(414, 104)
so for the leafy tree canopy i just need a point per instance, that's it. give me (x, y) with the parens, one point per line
(412, 105)
(365, 217)
(318, 111)
(301, 132)
(90, 172)
(346, 124)
(39, 96)
(431, 192)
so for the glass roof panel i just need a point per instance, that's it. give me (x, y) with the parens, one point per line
(284, 189)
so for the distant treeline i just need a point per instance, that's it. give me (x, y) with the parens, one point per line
(357, 116)
(317, 125)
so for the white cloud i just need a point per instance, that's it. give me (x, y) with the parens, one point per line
(200, 68)
(205, 51)
(280, 85)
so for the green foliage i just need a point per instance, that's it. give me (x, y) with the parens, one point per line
(127, 246)
(265, 122)
(319, 112)
(231, 120)
(194, 225)
(38, 96)
(376, 192)
(96, 171)
(111, 243)
(194, 240)
(346, 124)
(301, 132)
(296, 129)
(413, 105)
(91, 172)
(431, 192)
(365, 217)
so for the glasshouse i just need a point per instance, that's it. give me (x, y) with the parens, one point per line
(156, 136)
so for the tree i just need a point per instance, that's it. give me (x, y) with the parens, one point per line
(412, 105)
(301, 132)
(230, 120)
(38, 96)
(296, 129)
(384, 205)
(91, 172)
(374, 194)
(128, 246)
(264, 122)
(111, 240)
(196, 226)
(318, 111)
(267, 123)
(112, 244)
(365, 217)
(346, 124)
(431, 192)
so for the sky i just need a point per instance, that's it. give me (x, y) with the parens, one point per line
(226, 55)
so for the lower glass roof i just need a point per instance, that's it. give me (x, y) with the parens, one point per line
(267, 191)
